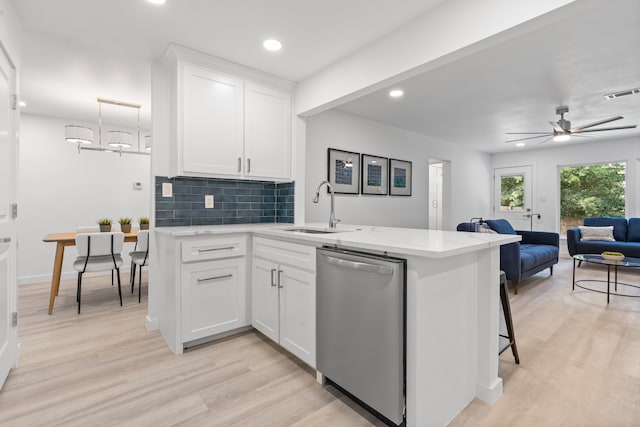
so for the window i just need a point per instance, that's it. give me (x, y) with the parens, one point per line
(512, 193)
(592, 190)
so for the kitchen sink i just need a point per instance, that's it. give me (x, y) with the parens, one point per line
(312, 230)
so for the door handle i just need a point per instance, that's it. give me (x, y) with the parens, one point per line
(280, 279)
(239, 164)
(362, 266)
(215, 249)
(206, 279)
(273, 283)
(248, 165)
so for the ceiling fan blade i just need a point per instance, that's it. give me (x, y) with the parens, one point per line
(528, 133)
(530, 137)
(601, 122)
(557, 127)
(600, 130)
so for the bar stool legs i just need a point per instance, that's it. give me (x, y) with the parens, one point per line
(506, 309)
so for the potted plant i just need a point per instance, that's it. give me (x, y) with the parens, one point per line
(105, 224)
(125, 224)
(144, 223)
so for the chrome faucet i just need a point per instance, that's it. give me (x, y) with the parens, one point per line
(332, 217)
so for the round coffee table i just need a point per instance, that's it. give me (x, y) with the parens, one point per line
(597, 259)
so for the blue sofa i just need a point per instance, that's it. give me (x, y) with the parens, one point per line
(536, 251)
(625, 232)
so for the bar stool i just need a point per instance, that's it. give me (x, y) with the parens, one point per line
(506, 311)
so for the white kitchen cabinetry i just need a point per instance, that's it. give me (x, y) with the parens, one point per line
(204, 287)
(227, 121)
(284, 295)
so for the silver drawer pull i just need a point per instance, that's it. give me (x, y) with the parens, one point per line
(280, 279)
(226, 276)
(216, 249)
(248, 165)
(273, 283)
(239, 164)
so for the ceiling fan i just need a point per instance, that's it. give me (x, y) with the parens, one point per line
(562, 130)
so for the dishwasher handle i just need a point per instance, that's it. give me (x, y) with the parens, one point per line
(362, 266)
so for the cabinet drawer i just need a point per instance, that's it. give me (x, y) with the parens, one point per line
(214, 248)
(286, 253)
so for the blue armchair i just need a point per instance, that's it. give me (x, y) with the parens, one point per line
(536, 251)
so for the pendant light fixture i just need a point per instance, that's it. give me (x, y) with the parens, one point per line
(116, 139)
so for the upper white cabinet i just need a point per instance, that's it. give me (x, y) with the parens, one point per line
(212, 122)
(227, 121)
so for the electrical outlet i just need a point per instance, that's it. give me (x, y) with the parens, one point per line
(208, 201)
(167, 189)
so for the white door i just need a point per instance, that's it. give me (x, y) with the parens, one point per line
(512, 196)
(435, 196)
(264, 298)
(267, 132)
(8, 184)
(212, 122)
(298, 313)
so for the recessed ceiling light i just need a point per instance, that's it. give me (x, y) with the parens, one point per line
(272, 45)
(396, 93)
(157, 1)
(22, 104)
(520, 144)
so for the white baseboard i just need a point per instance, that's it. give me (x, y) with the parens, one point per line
(151, 324)
(489, 393)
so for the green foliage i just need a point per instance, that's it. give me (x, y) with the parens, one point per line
(124, 220)
(512, 191)
(104, 221)
(596, 190)
(144, 220)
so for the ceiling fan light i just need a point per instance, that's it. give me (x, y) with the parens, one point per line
(119, 139)
(563, 137)
(78, 134)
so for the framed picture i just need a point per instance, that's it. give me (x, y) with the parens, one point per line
(375, 175)
(344, 171)
(399, 177)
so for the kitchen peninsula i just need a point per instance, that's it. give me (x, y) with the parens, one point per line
(452, 303)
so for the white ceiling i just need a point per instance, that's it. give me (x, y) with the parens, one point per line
(77, 50)
(516, 85)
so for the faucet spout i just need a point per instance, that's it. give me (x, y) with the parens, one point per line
(332, 216)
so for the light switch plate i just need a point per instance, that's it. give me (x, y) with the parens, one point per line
(137, 185)
(208, 201)
(167, 189)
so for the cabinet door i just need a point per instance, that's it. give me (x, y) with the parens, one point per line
(212, 122)
(298, 313)
(213, 298)
(267, 143)
(264, 298)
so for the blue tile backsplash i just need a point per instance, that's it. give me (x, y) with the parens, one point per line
(235, 202)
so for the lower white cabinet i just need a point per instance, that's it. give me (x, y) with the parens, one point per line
(213, 297)
(284, 298)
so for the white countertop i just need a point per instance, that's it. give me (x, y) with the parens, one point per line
(394, 240)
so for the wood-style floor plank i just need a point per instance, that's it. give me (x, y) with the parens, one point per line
(580, 366)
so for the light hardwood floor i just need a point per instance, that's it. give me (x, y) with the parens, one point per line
(580, 366)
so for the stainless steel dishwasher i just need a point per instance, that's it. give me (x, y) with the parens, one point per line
(361, 327)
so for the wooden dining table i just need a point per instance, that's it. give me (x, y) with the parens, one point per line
(63, 240)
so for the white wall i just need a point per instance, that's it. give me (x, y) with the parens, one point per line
(60, 190)
(470, 173)
(546, 165)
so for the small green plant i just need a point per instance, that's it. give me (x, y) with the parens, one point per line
(124, 221)
(104, 221)
(144, 220)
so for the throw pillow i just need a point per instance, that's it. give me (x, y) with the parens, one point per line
(500, 226)
(597, 233)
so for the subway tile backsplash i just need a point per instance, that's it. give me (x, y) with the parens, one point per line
(235, 202)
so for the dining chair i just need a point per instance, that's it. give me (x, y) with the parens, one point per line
(139, 258)
(98, 252)
(92, 229)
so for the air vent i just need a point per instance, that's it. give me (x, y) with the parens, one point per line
(622, 93)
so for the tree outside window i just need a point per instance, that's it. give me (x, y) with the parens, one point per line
(594, 190)
(512, 193)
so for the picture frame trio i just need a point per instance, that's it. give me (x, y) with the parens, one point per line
(354, 173)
